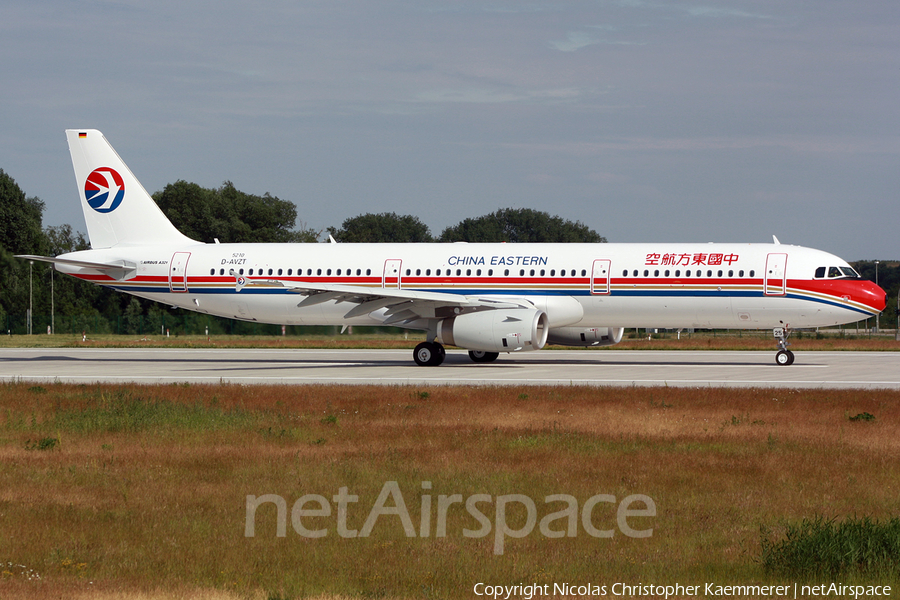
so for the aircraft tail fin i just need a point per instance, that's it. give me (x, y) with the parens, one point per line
(117, 209)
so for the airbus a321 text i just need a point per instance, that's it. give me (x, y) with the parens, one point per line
(485, 298)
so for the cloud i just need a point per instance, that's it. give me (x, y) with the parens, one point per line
(576, 40)
(694, 11)
(489, 96)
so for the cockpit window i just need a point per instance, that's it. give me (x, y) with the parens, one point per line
(836, 272)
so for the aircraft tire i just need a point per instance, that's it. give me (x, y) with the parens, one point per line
(429, 354)
(784, 358)
(481, 356)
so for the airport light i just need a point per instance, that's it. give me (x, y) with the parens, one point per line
(30, 296)
(876, 283)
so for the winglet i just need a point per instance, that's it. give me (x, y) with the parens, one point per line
(775, 240)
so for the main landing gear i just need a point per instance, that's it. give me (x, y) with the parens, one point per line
(429, 354)
(480, 356)
(783, 357)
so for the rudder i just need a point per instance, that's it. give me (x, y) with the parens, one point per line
(117, 209)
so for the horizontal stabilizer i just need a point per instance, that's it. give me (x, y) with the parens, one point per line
(120, 270)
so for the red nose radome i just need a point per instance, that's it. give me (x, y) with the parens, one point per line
(856, 291)
(871, 295)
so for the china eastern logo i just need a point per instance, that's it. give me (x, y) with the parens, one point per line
(104, 189)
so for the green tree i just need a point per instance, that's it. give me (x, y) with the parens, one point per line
(20, 218)
(230, 215)
(383, 227)
(520, 225)
(20, 233)
(71, 296)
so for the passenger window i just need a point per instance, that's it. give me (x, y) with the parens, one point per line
(752, 272)
(328, 272)
(221, 271)
(241, 272)
(646, 272)
(731, 273)
(667, 272)
(418, 272)
(478, 272)
(741, 273)
(427, 272)
(290, 271)
(212, 271)
(583, 272)
(339, 272)
(251, 272)
(468, 272)
(368, 271)
(687, 273)
(635, 274)
(532, 272)
(506, 272)
(408, 272)
(490, 272)
(656, 273)
(709, 273)
(720, 272)
(521, 272)
(458, 272)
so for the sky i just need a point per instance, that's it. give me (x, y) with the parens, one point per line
(647, 120)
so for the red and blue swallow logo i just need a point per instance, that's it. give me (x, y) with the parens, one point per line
(104, 189)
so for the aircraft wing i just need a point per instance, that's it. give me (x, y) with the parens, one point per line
(119, 270)
(403, 305)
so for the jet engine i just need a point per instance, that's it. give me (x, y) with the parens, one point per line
(591, 336)
(496, 330)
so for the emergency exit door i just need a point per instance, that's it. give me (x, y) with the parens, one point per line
(776, 274)
(391, 277)
(600, 276)
(178, 272)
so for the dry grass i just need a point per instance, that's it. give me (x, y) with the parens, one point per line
(143, 492)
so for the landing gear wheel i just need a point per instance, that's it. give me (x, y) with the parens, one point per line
(429, 354)
(480, 356)
(784, 358)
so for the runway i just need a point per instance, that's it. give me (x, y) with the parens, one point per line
(873, 370)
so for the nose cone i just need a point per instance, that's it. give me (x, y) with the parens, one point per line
(873, 296)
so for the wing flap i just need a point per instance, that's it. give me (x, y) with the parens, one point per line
(411, 304)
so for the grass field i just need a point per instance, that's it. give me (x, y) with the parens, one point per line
(141, 491)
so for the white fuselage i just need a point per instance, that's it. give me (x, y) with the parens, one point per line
(576, 285)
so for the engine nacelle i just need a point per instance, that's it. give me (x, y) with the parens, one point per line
(591, 336)
(496, 330)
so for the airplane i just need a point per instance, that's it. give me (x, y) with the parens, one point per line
(485, 298)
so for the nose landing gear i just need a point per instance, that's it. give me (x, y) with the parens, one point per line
(783, 357)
